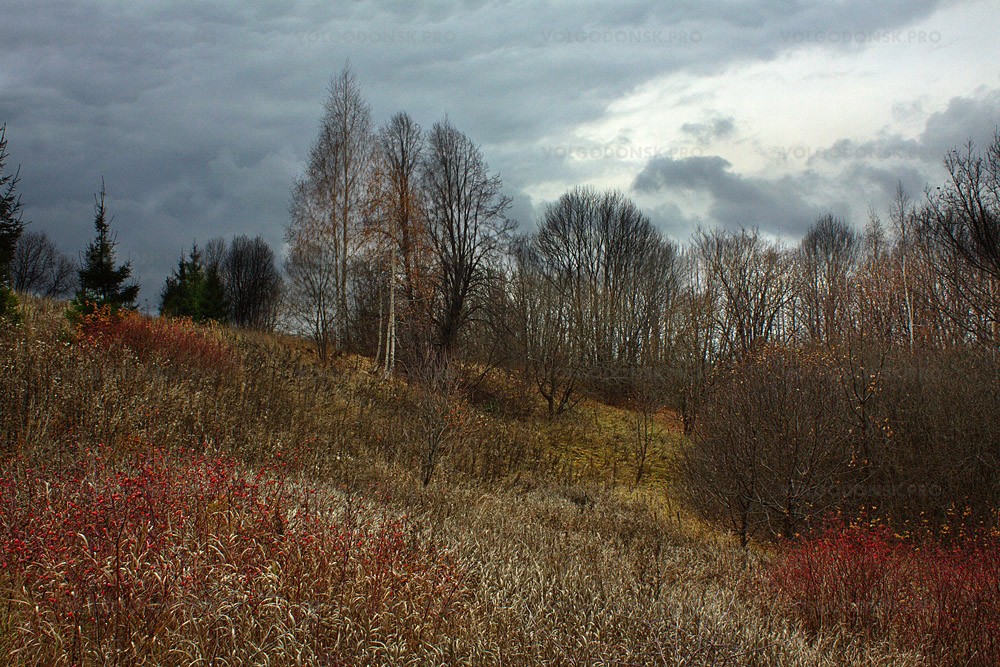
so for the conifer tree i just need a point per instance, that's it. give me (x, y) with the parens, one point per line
(11, 227)
(181, 295)
(101, 281)
(194, 290)
(214, 305)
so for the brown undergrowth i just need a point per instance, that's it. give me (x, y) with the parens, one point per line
(157, 509)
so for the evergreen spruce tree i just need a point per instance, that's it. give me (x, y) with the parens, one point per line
(194, 290)
(101, 282)
(11, 227)
(214, 305)
(181, 295)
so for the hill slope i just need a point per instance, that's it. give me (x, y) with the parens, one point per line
(177, 495)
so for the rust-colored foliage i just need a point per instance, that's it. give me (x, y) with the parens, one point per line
(143, 556)
(178, 340)
(938, 593)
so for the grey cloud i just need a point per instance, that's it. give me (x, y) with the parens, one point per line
(673, 221)
(892, 147)
(708, 131)
(776, 206)
(522, 211)
(878, 184)
(974, 117)
(198, 113)
(845, 178)
(693, 173)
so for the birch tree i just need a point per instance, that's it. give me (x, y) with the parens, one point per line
(334, 190)
(398, 231)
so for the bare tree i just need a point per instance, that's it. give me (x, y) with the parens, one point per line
(902, 219)
(541, 325)
(618, 274)
(39, 268)
(312, 271)
(753, 285)
(347, 140)
(214, 253)
(401, 146)
(960, 232)
(467, 227)
(335, 184)
(698, 344)
(827, 258)
(439, 427)
(252, 282)
(956, 302)
(876, 286)
(648, 392)
(965, 213)
(397, 237)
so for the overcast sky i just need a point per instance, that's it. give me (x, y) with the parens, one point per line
(763, 113)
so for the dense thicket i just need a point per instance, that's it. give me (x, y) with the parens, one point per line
(856, 367)
(899, 327)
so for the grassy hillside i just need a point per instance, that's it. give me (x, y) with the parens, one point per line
(178, 495)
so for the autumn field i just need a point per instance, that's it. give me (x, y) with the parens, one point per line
(172, 494)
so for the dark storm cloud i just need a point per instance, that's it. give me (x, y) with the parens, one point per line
(775, 206)
(198, 114)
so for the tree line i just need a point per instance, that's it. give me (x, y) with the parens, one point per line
(794, 368)
(236, 282)
(855, 367)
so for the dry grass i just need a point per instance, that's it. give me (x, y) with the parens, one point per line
(528, 551)
(599, 443)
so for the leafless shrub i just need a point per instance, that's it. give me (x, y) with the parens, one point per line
(769, 451)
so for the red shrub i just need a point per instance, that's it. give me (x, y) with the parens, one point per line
(106, 557)
(177, 339)
(943, 597)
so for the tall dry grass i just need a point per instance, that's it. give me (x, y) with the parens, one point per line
(505, 557)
